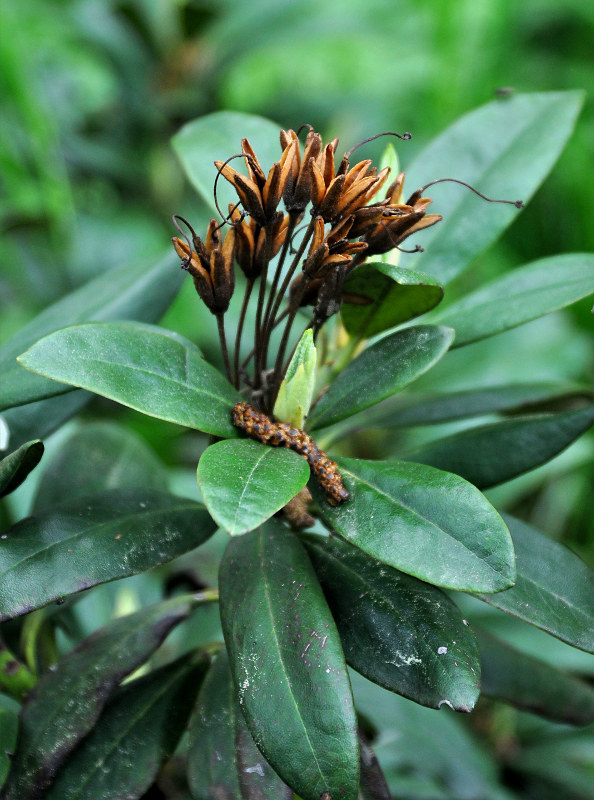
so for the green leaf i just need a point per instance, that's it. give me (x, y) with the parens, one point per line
(243, 483)
(554, 589)
(140, 292)
(137, 732)
(505, 149)
(425, 522)
(144, 367)
(399, 632)
(70, 697)
(98, 457)
(43, 417)
(9, 723)
(216, 137)
(288, 664)
(99, 538)
(491, 454)
(223, 760)
(296, 390)
(380, 371)
(532, 685)
(520, 296)
(410, 409)
(16, 466)
(379, 296)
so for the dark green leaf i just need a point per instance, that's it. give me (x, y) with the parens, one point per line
(554, 588)
(425, 522)
(137, 732)
(144, 367)
(532, 685)
(505, 149)
(95, 458)
(44, 417)
(491, 454)
(243, 483)
(381, 370)
(520, 296)
(216, 137)
(410, 409)
(16, 466)
(69, 698)
(95, 539)
(399, 632)
(9, 723)
(380, 296)
(288, 664)
(140, 292)
(223, 760)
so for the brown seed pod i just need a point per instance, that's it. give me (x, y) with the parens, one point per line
(280, 434)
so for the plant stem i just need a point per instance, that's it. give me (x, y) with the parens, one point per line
(223, 341)
(15, 679)
(293, 218)
(244, 305)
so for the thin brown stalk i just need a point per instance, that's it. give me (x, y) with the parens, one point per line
(240, 324)
(223, 341)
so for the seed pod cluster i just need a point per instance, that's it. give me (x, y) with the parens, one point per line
(280, 434)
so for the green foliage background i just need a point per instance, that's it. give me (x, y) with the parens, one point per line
(93, 90)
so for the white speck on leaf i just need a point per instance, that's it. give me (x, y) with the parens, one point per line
(258, 769)
(447, 703)
(441, 651)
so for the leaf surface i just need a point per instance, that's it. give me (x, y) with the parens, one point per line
(505, 149)
(99, 538)
(144, 367)
(399, 632)
(243, 482)
(380, 371)
(68, 700)
(288, 664)
(15, 467)
(425, 522)
(491, 454)
(141, 292)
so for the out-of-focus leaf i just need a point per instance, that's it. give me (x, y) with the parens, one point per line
(282, 641)
(43, 417)
(399, 632)
(98, 457)
(504, 149)
(216, 137)
(491, 454)
(520, 296)
(137, 732)
(9, 724)
(141, 366)
(140, 292)
(223, 760)
(16, 466)
(243, 483)
(379, 296)
(373, 783)
(425, 522)
(99, 538)
(532, 685)
(554, 589)
(69, 698)
(381, 370)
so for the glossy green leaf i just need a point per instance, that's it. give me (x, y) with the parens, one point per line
(411, 409)
(425, 522)
(15, 467)
(380, 371)
(491, 454)
(216, 137)
(379, 296)
(520, 296)
(532, 685)
(40, 419)
(141, 366)
(554, 589)
(99, 538)
(70, 697)
(223, 760)
(399, 632)
(136, 733)
(288, 664)
(140, 292)
(505, 149)
(95, 458)
(243, 482)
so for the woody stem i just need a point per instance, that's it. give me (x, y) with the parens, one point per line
(223, 341)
